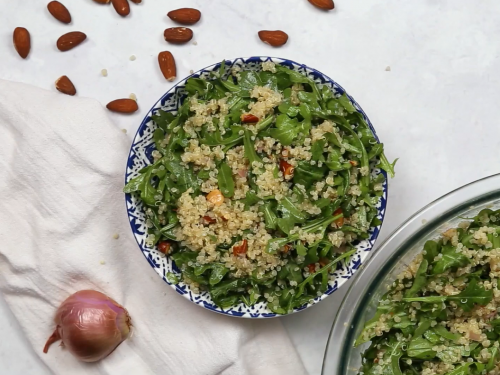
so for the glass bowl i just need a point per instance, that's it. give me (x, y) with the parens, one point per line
(392, 257)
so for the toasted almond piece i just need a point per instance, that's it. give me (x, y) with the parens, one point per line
(22, 41)
(241, 250)
(248, 118)
(185, 16)
(64, 85)
(70, 40)
(286, 168)
(178, 35)
(122, 7)
(274, 38)
(340, 220)
(323, 4)
(123, 106)
(103, 1)
(59, 11)
(164, 247)
(215, 197)
(167, 65)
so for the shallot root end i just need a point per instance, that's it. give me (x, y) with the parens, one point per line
(52, 339)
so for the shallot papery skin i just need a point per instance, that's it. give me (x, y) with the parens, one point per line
(91, 325)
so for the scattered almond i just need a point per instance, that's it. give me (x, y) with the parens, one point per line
(274, 38)
(22, 41)
(64, 85)
(185, 16)
(323, 4)
(103, 1)
(167, 65)
(104, 72)
(132, 96)
(132, 58)
(59, 11)
(70, 40)
(122, 7)
(123, 106)
(178, 35)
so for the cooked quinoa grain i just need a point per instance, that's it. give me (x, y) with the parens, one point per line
(259, 184)
(442, 314)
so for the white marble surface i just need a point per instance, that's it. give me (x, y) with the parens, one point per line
(437, 108)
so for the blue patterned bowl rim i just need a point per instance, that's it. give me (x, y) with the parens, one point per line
(140, 154)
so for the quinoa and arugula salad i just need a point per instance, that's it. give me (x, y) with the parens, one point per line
(442, 314)
(259, 184)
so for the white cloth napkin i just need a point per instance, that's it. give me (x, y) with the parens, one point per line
(61, 174)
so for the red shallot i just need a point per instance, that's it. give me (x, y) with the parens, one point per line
(91, 325)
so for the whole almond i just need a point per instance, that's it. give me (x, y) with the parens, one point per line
(323, 4)
(59, 11)
(185, 16)
(167, 65)
(274, 38)
(70, 40)
(103, 1)
(123, 106)
(64, 85)
(178, 35)
(22, 41)
(122, 7)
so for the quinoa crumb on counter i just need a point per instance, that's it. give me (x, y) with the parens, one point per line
(260, 183)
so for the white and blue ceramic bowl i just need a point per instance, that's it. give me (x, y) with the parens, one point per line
(140, 156)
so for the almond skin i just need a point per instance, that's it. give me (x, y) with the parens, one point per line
(274, 38)
(185, 16)
(167, 65)
(323, 4)
(178, 35)
(59, 11)
(103, 1)
(64, 85)
(22, 41)
(123, 106)
(122, 7)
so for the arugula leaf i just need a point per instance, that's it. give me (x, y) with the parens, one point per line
(420, 279)
(163, 119)
(225, 180)
(431, 249)
(473, 294)
(270, 217)
(250, 153)
(186, 179)
(223, 288)
(317, 150)
(450, 258)
(420, 348)
(306, 174)
(346, 103)
(461, 370)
